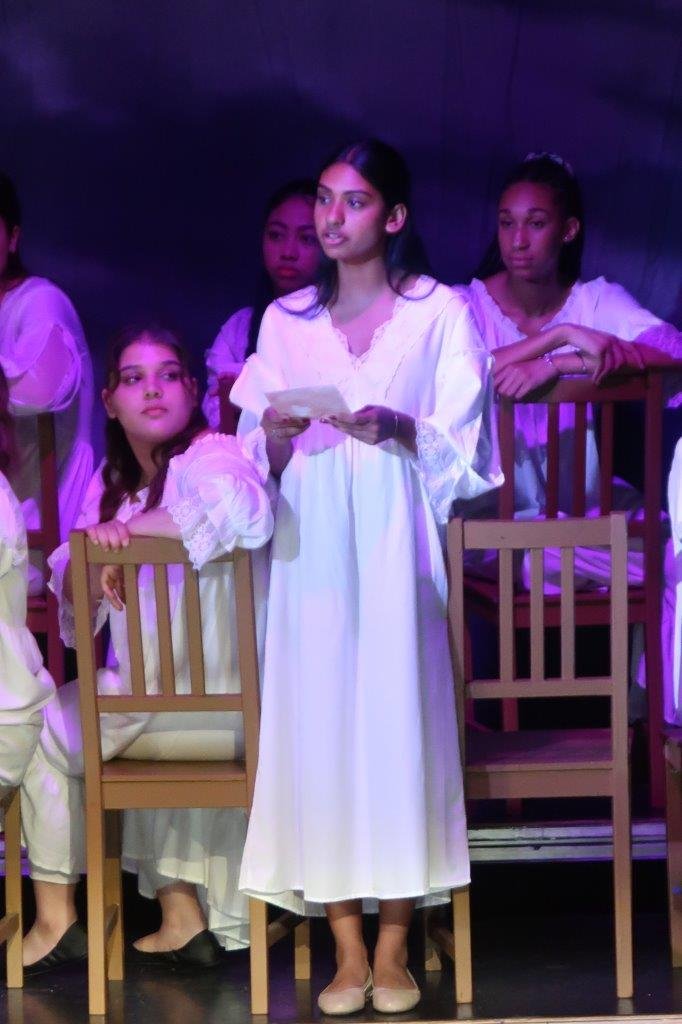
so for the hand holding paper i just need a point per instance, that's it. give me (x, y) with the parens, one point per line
(311, 403)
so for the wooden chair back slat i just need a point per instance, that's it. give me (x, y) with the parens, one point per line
(619, 632)
(537, 607)
(87, 661)
(553, 447)
(47, 537)
(456, 620)
(567, 614)
(134, 627)
(606, 452)
(248, 661)
(673, 830)
(507, 441)
(506, 627)
(43, 612)
(524, 534)
(163, 630)
(195, 643)
(579, 457)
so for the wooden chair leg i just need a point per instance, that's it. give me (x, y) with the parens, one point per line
(113, 895)
(432, 957)
(302, 967)
(97, 969)
(15, 1006)
(674, 835)
(15, 970)
(622, 892)
(654, 695)
(461, 926)
(258, 929)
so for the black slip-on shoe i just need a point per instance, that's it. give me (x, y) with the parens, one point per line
(71, 948)
(202, 950)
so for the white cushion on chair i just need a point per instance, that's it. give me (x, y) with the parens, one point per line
(189, 736)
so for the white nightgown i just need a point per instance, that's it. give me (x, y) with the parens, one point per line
(359, 786)
(25, 686)
(214, 493)
(226, 355)
(29, 316)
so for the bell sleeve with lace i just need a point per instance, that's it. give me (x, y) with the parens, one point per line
(457, 451)
(221, 503)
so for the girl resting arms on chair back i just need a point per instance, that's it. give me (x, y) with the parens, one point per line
(163, 475)
(540, 320)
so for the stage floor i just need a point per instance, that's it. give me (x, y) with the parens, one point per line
(542, 951)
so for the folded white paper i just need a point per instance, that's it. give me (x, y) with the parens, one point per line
(311, 403)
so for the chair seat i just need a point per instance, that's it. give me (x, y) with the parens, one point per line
(120, 770)
(139, 785)
(539, 750)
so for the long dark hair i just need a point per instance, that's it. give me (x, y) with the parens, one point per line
(305, 188)
(385, 169)
(546, 169)
(122, 473)
(10, 213)
(8, 448)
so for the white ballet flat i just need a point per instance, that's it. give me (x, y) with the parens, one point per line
(346, 1000)
(396, 1000)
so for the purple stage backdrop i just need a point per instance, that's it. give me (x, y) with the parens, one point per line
(145, 135)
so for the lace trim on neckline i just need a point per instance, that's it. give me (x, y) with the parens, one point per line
(560, 317)
(380, 372)
(401, 302)
(377, 334)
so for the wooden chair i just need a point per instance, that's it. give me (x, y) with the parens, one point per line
(119, 784)
(42, 614)
(11, 924)
(229, 413)
(554, 763)
(673, 762)
(644, 602)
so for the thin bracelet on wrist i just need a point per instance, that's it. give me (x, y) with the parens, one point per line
(581, 357)
(547, 357)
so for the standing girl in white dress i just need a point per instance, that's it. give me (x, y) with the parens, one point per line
(291, 255)
(359, 789)
(539, 321)
(163, 475)
(25, 686)
(45, 358)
